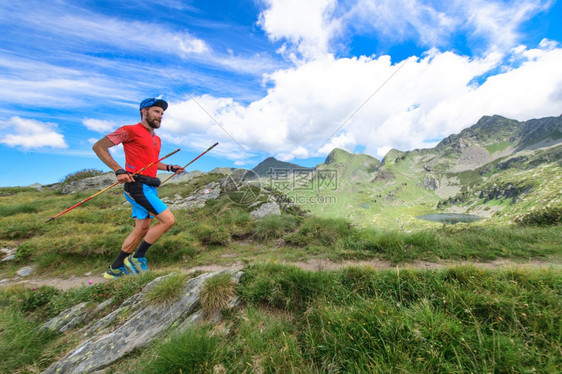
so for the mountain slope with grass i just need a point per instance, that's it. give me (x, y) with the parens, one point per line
(498, 169)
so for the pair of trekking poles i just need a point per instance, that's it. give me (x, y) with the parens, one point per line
(138, 172)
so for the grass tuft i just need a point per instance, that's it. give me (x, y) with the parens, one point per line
(167, 290)
(217, 293)
(194, 351)
(274, 227)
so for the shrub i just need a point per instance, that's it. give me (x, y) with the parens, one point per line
(37, 298)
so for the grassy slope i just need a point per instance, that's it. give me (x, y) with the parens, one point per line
(394, 195)
(449, 320)
(461, 320)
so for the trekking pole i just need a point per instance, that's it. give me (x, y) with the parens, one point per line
(191, 162)
(107, 188)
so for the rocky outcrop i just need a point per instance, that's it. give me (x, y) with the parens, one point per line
(197, 199)
(92, 183)
(267, 209)
(146, 322)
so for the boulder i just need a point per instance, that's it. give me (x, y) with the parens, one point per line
(25, 271)
(266, 209)
(68, 319)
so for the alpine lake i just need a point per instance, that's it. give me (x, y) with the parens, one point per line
(450, 218)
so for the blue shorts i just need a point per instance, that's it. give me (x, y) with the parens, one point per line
(144, 200)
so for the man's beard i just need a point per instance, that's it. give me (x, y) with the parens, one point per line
(152, 123)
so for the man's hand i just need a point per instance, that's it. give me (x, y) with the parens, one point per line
(176, 169)
(123, 176)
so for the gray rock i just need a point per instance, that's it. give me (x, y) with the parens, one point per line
(37, 186)
(180, 178)
(10, 254)
(67, 319)
(197, 199)
(25, 271)
(431, 183)
(98, 182)
(146, 323)
(266, 210)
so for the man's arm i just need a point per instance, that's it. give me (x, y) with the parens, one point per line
(101, 147)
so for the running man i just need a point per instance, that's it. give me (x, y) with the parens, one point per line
(142, 146)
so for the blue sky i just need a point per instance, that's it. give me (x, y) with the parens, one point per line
(283, 78)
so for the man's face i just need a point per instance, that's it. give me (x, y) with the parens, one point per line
(154, 116)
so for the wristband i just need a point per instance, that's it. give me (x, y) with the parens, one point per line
(167, 167)
(121, 171)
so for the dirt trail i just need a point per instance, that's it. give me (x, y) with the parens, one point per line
(312, 265)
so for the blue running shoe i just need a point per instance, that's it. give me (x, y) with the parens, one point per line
(112, 273)
(136, 265)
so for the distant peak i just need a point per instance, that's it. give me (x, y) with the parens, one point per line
(337, 155)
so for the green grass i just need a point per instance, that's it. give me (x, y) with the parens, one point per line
(21, 342)
(458, 320)
(216, 293)
(497, 147)
(168, 290)
(194, 351)
(87, 238)
(461, 319)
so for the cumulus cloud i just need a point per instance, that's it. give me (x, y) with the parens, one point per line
(29, 134)
(431, 97)
(102, 126)
(307, 26)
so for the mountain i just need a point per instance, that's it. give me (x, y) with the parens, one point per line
(349, 166)
(271, 166)
(498, 167)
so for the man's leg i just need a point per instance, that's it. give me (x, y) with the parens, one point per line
(165, 222)
(137, 262)
(142, 226)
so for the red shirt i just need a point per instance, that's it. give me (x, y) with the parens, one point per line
(142, 147)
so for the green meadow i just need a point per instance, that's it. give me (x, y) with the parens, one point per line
(459, 318)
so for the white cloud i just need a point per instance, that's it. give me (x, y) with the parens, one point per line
(29, 134)
(310, 28)
(432, 97)
(307, 25)
(102, 126)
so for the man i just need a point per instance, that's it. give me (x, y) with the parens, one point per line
(142, 147)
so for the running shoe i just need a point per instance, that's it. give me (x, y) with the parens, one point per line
(115, 273)
(136, 265)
